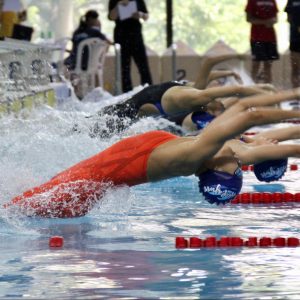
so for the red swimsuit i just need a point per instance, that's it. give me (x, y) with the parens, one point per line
(73, 192)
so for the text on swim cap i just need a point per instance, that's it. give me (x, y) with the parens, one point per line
(202, 124)
(273, 172)
(220, 191)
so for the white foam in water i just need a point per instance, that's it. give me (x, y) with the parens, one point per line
(115, 201)
(111, 213)
(33, 149)
(97, 95)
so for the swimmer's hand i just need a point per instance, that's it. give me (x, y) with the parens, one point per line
(259, 141)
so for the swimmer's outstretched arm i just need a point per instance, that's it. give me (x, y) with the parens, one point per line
(235, 90)
(227, 102)
(189, 99)
(185, 156)
(254, 154)
(263, 87)
(267, 87)
(208, 63)
(281, 134)
(234, 121)
(255, 111)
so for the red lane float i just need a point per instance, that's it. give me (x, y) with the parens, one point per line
(226, 241)
(245, 168)
(295, 121)
(56, 242)
(265, 198)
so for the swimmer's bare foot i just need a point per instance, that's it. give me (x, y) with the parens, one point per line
(264, 141)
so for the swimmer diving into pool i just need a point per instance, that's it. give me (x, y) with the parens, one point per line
(148, 102)
(175, 100)
(215, 156)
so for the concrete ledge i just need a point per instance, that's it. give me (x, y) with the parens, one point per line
(28, 102)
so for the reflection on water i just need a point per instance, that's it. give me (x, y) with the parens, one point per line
(124, 248)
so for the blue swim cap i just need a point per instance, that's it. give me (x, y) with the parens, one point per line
(220, 187)
(270, 170)
(202, 118)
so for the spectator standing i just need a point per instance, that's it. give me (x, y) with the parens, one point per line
(293, 11)
(128, 33)
(262, 15)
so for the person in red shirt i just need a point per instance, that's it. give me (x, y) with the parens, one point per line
(262, 15)
(293, 11)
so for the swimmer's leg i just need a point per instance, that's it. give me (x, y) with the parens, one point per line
(221, 128)
(233, 122)
(262, 100)
(208, 63)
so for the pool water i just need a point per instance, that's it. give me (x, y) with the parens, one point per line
(124, 248)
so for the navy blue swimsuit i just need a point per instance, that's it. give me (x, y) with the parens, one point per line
(149, 95)
(201, 119)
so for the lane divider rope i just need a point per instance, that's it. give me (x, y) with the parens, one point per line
(291, 167)
(265, 198)
(226, 241)
(295, 121)
(56, 241)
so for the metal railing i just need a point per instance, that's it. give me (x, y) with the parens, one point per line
(174, 61)
(118, 74)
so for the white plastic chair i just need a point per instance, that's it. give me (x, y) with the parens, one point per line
(97, 50)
